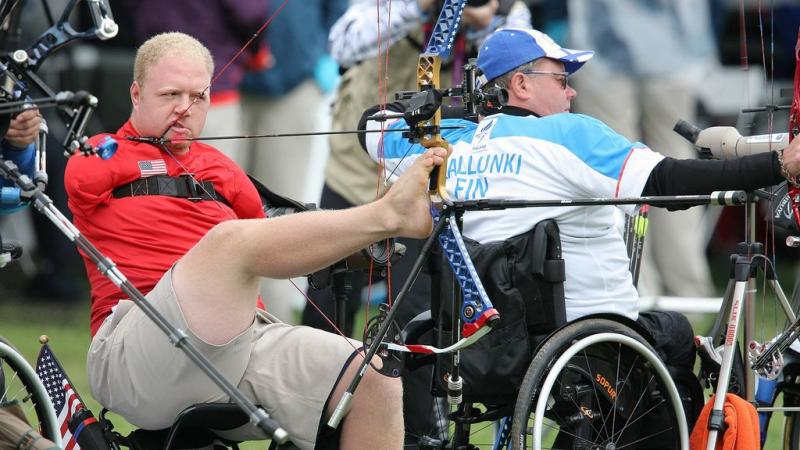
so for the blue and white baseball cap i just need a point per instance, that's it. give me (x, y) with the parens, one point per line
(510, 48)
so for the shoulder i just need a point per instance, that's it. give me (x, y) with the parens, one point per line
(208, 159)
(462, 130)
(574, 131)
(206, 152)
(555, 126)
(583, 137)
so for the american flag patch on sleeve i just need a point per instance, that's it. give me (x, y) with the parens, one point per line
(152, 167)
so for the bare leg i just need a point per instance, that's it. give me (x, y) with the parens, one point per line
(216, 282)
(375, 419)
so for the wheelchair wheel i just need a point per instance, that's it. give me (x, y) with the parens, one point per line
(597, 384)
(20, 385)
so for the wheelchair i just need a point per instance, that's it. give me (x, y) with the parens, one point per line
(594, 383)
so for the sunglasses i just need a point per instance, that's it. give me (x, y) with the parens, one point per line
(560, 76)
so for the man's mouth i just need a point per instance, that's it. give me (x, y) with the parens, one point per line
(179, 132)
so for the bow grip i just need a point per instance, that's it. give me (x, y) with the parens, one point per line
(437, 186)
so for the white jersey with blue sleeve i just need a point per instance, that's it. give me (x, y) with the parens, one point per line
(562, 156)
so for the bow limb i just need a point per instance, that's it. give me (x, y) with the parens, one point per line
(477, 310)
(429, 66)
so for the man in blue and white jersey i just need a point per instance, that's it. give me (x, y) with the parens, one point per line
(536, 149)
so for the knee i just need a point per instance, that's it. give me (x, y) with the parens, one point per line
(223, 232)
(682, 351)
(682, 328)
(222, 240)
(382, 386)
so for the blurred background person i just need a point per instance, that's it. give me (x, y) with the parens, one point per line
(650, 59)
(292, 95)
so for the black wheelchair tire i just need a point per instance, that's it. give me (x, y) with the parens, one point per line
(548, 359)
(30, 392)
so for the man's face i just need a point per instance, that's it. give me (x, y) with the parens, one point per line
(550, 93)
(168, 88)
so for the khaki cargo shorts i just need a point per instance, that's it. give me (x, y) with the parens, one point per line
(289, 370)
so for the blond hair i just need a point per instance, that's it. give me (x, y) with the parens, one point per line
(172, 43)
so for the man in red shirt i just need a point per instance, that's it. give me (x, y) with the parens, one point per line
(166, 216)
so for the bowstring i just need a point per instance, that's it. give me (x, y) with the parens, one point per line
(230, 212)
(382, 64)
(768, 69)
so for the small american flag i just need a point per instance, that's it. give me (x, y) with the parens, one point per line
(65, 400)
(152, 167)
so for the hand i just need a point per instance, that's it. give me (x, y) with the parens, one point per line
(407, 203)
(24, 129)
(480, 16)
(791, 158)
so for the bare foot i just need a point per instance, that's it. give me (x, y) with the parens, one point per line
(407, 203)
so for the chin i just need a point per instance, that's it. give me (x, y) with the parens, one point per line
(179, 148)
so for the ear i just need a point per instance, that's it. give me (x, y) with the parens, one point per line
(519, 88)
(136, 93)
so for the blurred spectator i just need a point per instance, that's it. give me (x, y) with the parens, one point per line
(224, 26)
(291, 96)
(351, 177)
(649, 59)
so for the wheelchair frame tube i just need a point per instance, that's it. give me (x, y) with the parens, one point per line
(741, 274)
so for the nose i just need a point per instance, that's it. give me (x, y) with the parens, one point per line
(571, 92)
(183, 106)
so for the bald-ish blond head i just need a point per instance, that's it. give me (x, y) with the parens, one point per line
(172, 43)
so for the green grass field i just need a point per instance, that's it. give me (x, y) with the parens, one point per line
(67, 329)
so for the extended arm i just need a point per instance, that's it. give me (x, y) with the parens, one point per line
(693, 176)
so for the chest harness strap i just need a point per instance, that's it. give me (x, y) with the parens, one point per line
(183, 186)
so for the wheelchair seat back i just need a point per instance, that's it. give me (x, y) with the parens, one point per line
(524, 277)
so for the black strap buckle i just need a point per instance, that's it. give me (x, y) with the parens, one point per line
(195, 188)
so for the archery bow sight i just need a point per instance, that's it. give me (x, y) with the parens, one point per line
(423, 104)
(19, 79)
